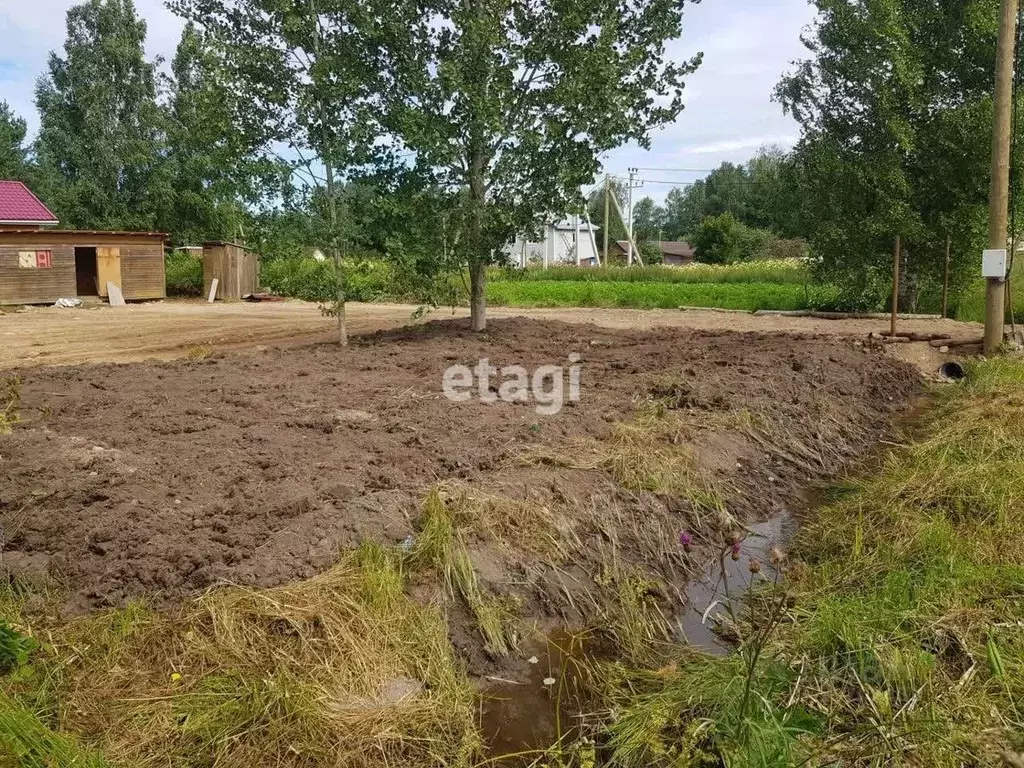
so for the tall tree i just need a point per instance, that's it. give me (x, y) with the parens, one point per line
(293, 76)
(513, 102)
(100, 142)
(206, 162)
(14, 162)
(892, 103)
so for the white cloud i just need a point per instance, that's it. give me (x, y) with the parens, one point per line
(747, 45)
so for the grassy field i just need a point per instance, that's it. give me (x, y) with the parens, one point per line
(787, 271)
(641, 295)
(897, 637)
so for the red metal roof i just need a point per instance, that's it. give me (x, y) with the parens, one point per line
(19, 206)
(56, 233)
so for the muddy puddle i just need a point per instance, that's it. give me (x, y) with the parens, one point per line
(708, 597)
(522, 717)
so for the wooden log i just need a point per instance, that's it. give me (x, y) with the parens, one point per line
(916, 336)
(955, 342)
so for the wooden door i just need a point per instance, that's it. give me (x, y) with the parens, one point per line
(108, 269)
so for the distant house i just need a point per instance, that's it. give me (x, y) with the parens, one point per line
(674, 253)
(39, 264)
(569, 241)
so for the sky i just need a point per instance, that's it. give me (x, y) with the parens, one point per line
(747, 46)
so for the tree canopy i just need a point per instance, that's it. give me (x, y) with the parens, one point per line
(508, 106)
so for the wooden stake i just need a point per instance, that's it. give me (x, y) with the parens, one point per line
(945, 280)
(895, 285)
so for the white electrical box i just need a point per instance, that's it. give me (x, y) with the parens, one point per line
(993, 263)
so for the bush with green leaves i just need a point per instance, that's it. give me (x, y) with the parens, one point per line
(184, 274)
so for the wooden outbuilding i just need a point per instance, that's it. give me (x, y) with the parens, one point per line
(40, 265)
(236, 270)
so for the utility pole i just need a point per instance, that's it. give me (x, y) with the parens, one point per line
(607, 193)
(629, 220)
(999, 192)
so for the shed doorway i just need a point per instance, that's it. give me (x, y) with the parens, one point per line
(85, 272)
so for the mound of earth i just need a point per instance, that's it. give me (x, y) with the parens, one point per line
(162, 479)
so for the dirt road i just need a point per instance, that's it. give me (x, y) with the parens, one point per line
(168, 329)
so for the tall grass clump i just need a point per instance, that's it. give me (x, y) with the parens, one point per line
(792, 271)
(341, 669)
(658, 295)
(10, 403)
(901, 643)
(440, 545)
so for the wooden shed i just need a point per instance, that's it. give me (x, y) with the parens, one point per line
(236, 270)
(39, 266)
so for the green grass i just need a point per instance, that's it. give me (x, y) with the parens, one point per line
(299, 675)
(904, 642)
(790, 271)
(742, 296)
(970, 305)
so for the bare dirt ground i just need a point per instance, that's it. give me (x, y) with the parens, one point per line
(168, 329)
(258, 467)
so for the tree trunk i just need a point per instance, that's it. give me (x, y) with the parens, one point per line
(478, 295)
(478, 256)
(340, 299)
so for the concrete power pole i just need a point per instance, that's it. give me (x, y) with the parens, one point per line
(999, 192)
(629, 220)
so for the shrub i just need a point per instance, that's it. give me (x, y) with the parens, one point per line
(184, 274)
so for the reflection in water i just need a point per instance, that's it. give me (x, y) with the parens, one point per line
(706, 596)
(524, 716)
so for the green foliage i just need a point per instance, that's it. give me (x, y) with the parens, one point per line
(184, 274)
(15, 648)
(311, 280)
(25, 739)
(100, 138)
(723, 239)
(208, 168)
(13, 153)
(895, 105)
(789, 271)
(745, 296)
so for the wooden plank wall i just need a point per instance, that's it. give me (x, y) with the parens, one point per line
(36, 286)
(236, 270)
(142, 266)
(142, 271)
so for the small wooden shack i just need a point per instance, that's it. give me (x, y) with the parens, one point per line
(236, 270)
(39, 265)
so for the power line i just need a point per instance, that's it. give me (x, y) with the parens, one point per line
(680, 170)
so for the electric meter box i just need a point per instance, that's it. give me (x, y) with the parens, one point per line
(993, 263)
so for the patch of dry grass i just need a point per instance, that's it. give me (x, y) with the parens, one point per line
(343, 669)
(10, 402)
(440, 544)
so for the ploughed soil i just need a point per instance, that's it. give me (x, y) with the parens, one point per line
(161, 479)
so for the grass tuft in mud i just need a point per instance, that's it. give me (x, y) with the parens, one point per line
(440, 545)
(342, 669)
(902, 642)
(10, 401)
